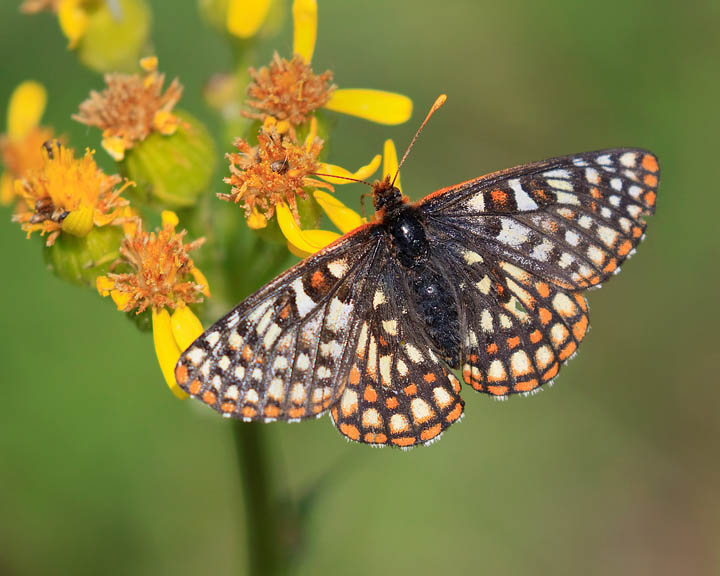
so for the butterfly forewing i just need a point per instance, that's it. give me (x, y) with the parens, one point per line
(571, 220)
(283, 352)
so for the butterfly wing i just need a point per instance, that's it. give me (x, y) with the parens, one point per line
(571, 221)
(398, 391)
(518, 245)
(282, 352)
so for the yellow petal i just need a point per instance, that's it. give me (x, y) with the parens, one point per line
(186, 327)
(26, 107)
(390, 164)
(104, 285)
(166, 349)
(165, 122)
(361, 173)
(244, 17)
(169, 219)
(79, 222)
(149, 63)
(73, 20)
(256, 220)
(305, 241)
(344, 218)
(121, 299)
(7, 189)
(115, 146)
(374, 105)
(304, 28)
(202, 280)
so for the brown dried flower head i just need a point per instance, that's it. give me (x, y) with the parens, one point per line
(276, 170)
(163, 274)
(131, 107)
(288, 90)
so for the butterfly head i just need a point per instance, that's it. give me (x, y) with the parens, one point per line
(386, 197)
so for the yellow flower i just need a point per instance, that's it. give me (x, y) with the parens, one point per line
(278, 170)
(21, 146)
(69, 195)
(162, 277)
(131, 107)
(245, 17)
(290, 90)
(303, 243)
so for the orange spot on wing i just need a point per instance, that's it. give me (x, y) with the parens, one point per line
(499, 196)
(429, 377)
(595, 193)
(498, 390)
(545, 315)
(526, 386)
(650, 180)
(568, 351)
(296, 412)
(372, 438)
(624, 248)
(248, 412)
(370, 394)
(552, 372)
(391, 403)
(247, 353)
(543, 289)
(350, 431)
(513, 342)
(580, 299)
(492, 348)
(580, 328)
(354, 376)
(404, 441)
(454, 413)
(536, 336)
(285, 312)
(410, 390)
(649, 162)
(181, 374)
(209, 397)
(317, 280)
(650, 198)
(227, 407)
(637, 231)
(610, 266)
(431, 432)
(271, 411)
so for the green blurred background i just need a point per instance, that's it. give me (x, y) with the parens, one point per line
(614, 470)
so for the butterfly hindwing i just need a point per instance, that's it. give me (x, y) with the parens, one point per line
(398, 391)
(282, 353)
(571, 221)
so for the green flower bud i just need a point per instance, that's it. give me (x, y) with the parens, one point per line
(171, 171)
(80, 260)
(115, 36)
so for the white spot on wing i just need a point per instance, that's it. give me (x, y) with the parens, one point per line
(522, 199)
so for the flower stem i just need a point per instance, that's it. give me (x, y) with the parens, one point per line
(266, 555)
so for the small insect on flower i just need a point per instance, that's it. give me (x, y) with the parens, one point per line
(132, 107)
(289, 90)
(484, 277)
(162, 277)
(69, 195)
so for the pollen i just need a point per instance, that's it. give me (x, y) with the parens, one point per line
(275, 171)
(287, 90)
(131, 107)
(162, 274)
(69, 194)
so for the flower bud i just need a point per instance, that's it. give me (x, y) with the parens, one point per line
(171, 171)
(114, 35)
(80, 260)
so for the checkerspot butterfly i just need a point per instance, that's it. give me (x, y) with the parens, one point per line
(485, 277)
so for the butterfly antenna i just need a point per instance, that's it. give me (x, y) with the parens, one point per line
(342, 178)
(435, 107)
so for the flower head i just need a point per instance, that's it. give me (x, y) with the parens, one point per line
(303, 243)
(161, 276)
(131, 107)
(289, 90)
(69, 194)
(21, 146)
(161, 273)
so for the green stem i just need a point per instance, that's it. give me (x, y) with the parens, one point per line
(266, 555)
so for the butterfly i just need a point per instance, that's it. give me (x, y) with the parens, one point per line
(485, 278)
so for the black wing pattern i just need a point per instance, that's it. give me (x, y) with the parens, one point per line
(518, 245)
